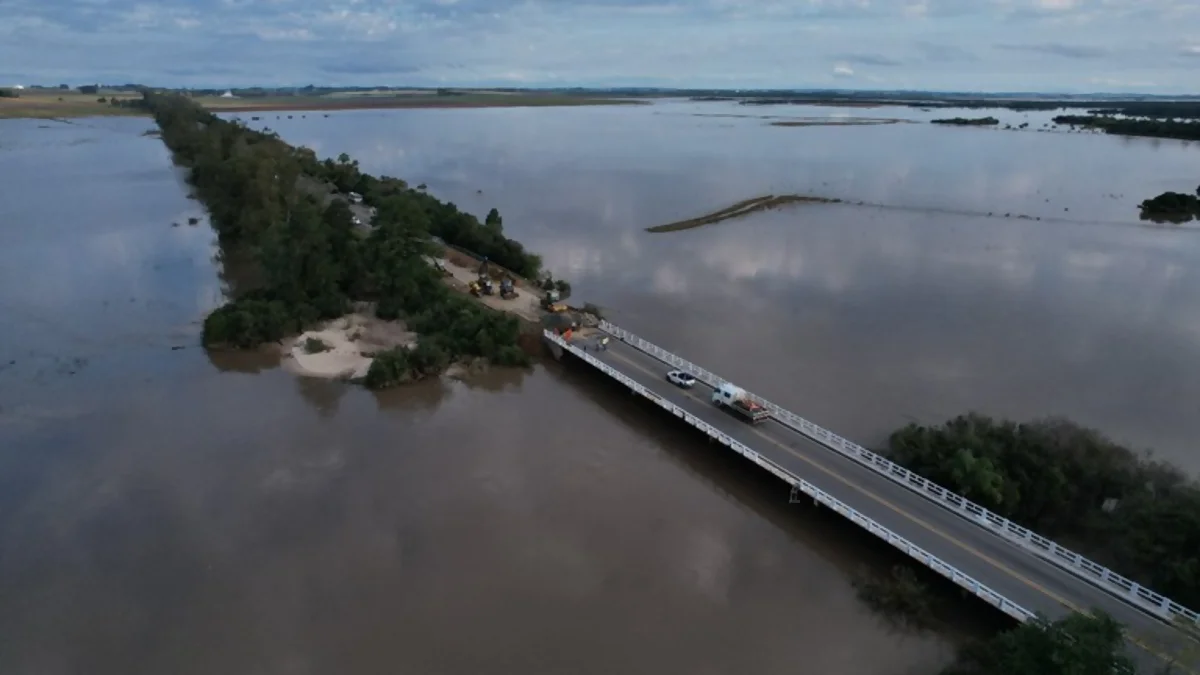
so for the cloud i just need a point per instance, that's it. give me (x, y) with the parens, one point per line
(943, 52)
(931, 44)
(869, 60)
(1058, 49)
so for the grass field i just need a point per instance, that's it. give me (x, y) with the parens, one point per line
(50, 103)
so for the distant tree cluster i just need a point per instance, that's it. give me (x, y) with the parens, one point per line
(314, 260)
(1188, 131)
(1140, 517)
(968, 121)
(1174, 207)
(1160, 109)
(9, 93)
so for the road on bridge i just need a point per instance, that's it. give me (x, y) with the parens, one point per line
(1007, 569)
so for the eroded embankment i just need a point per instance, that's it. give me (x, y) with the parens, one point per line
(741, 209)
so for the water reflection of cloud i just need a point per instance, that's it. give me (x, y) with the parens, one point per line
(1007, 302)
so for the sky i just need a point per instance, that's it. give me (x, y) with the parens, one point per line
(1071, 46)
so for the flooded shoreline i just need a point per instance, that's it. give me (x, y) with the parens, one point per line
(216, 504)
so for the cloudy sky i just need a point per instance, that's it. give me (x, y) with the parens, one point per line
(992, 45)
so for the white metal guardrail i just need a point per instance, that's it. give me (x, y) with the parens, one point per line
(1132, 592)
(820, 496)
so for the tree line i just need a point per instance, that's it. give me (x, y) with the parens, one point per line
(313, 260)
(968, 121)
(1138, 516)
(1153, 128)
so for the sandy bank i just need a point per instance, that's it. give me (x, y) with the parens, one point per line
(352, 341)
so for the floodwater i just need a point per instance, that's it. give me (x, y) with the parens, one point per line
(162, 510)
(860, 318)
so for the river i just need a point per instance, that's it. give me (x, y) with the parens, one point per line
(163, 510)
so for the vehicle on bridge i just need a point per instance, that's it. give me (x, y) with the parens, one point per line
(732, 397)
(681, 379)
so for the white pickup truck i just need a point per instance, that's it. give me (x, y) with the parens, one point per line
(734, 398)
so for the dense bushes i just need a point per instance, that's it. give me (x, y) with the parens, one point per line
(1140, 517)
(441, 219)
(401, 364)
(1176, 207)
(1078, 644)
(250, 321)
(266, 199)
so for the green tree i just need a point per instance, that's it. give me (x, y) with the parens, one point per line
(493, 220)
(1079, 644)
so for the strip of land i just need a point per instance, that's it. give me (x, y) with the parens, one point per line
(741, 209)
(838, 122)
(62, 104)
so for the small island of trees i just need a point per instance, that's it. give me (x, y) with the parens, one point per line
(968, 121)
(1172, 207)
(313, 260)
(1137, 516)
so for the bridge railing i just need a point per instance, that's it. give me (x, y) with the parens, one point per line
(1140, 596)
(800, 485)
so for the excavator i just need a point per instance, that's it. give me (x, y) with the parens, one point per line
(484, 284)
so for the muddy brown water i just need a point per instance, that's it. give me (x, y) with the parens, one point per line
(166, 510)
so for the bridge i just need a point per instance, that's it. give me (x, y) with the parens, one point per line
(1008, 566)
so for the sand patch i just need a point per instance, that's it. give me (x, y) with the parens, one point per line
(351, 342)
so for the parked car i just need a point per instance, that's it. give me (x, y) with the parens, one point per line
(681, 379)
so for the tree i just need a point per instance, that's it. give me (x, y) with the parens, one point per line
(493, 220)
(1079, 644)
(1058, 478)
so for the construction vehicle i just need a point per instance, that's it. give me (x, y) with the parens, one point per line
(550, 303)
(485, 279)
(507, 291)
(735, 399)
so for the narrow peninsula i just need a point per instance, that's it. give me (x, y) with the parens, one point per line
(326, 242)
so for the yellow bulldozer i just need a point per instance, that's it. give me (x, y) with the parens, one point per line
(551, 304)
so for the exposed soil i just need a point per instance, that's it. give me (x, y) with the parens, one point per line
(742, 208)
(526, 305)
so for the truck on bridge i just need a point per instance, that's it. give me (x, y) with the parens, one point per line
(732, 397)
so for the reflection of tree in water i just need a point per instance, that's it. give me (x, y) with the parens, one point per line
(496, 379)
(424, 395)
(244, 360)
(323, 394)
